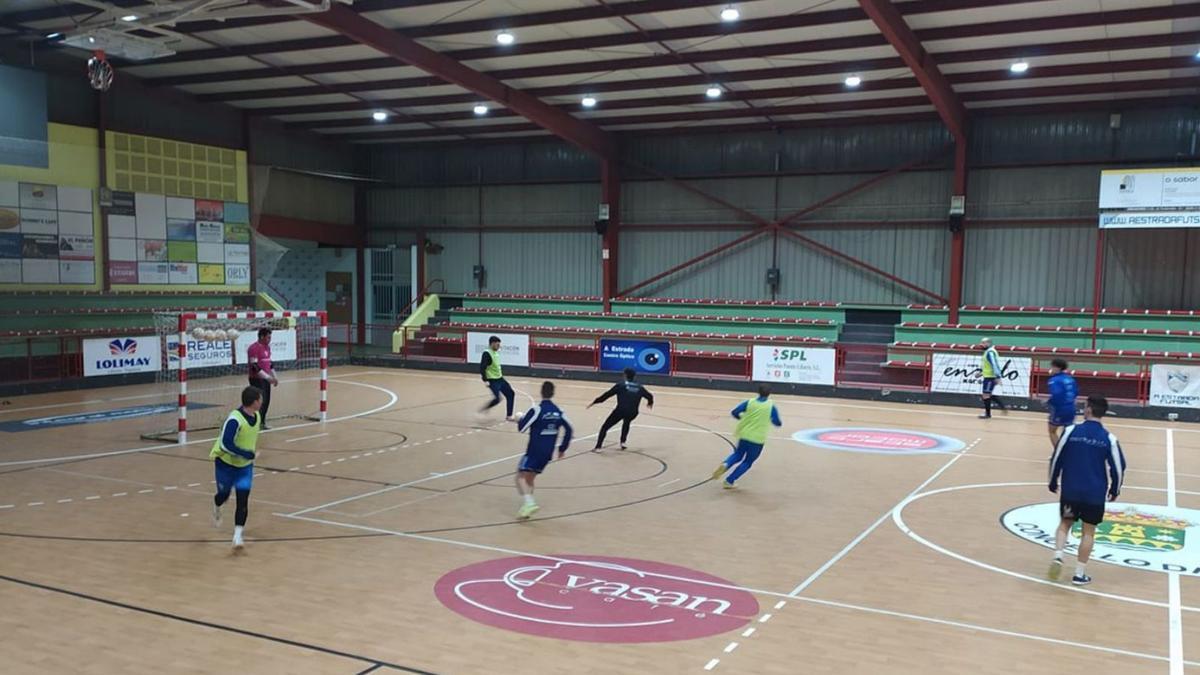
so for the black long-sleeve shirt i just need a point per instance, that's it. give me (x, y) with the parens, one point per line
(629, 396)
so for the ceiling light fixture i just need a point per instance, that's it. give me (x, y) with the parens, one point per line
(53, 36)
(379, 116)
(481, 109)
(1019, 67)
(713, 92)
(129, 18)
(505, 38)
(853, 81)
(589, 101)
(730, 13)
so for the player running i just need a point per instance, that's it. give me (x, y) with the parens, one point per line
(493, 377)
(629, 398)
(754, 418)
(233, 455)
(543, 422)
(1063, 391)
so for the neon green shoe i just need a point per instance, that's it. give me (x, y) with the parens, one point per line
(527, 510)
(719, 471)
(729, 486)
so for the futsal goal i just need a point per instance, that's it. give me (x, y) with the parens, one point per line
(205, 367)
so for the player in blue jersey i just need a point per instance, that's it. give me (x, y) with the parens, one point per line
(1063, 391)
(543, 421)
(1087, 468)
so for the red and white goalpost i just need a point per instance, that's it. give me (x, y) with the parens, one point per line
(205, 366)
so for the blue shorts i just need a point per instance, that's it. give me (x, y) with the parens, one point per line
(233, 477)
(989, 383)
(535, 460)
(1062, 418)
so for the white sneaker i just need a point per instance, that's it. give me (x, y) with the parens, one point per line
(237, 541)
(216, 515)
(624, 447)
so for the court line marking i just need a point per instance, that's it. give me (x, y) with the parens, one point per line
(163, 446)
(780, 398)
(875, 525)
(898, 519)
(776, 594)
(118, 399)
(418, 481)
(1174, 601)
(871, 528)
(306, 438)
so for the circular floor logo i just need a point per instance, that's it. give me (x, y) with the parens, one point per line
(596, 599)
(886, 441)
(1157, 538)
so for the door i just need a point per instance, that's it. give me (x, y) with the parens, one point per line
(339, 297)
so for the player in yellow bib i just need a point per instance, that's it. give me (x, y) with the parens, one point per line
(755, 417)
(493, 376)
(233, 456)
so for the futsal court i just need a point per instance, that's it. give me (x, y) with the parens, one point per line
(823, 560)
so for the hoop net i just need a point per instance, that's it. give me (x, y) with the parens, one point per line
(100, 71)
(205, 367)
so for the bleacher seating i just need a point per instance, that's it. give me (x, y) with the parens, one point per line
(41, 333)
(713, 337)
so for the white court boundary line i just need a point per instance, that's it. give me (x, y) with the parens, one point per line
(757, 591)
(898, 519)
(118, 399)
(1174, 599)
(933, 409)
(163, 446)
(875, 525)
(800, 588)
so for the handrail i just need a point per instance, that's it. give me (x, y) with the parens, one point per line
(282, 296)
(416, 299)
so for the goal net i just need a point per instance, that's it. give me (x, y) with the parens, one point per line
(205, 367)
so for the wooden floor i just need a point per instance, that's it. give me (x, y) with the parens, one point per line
(824, 561)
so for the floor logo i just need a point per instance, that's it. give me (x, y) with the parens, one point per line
(1132, 535)
(596, 599)
(96, 417)
(884, 441)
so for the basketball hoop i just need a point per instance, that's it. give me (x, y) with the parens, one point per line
(100, 71)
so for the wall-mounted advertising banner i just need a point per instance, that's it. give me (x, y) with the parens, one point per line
(795, 365)
(1144, 220)
(514, 349)
(1135, 189)
(641, 355)
(209, 353)
(963, 374)
(121, 355)
(1175, 386)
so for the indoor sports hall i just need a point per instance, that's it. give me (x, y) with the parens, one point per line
(599, 336)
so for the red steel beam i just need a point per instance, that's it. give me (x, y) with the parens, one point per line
(649, 84)
(958, 236)
(610, 189)
(1144, 103)
(858, 187)
(908, 45)
(532, 19)
(861, 263)
(555, 17)
(348, 236)
(371, 34)
(783, 49)
(1082, 20)
(852, 106)
(766, 226)
(698, 259)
